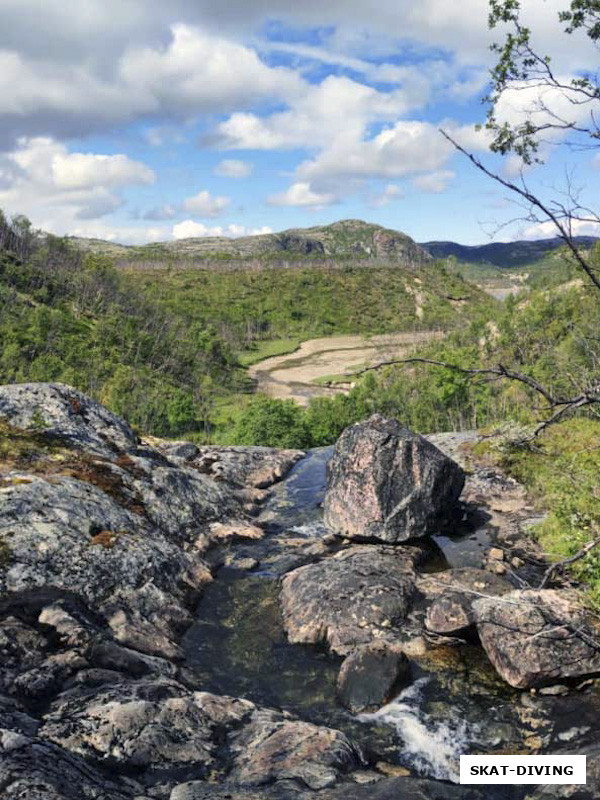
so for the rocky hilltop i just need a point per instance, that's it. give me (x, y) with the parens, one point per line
(348, 238)
(108, 541)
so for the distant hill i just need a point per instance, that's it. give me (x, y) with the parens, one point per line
(351, 238)
(508, 255)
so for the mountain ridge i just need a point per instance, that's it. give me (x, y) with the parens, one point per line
(345, 238)
(503, 254)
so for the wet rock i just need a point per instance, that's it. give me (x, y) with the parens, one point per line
(201, 790)
(234, 529)
(143, 725)
(371, 675)
(244, 563)
(537, 638)
(591, 790)
(271, 748)
(35, 769)
(22, 648)
(414, 789)
(357, 595)
(60, 411)
(450, 614)
(452, 611)
(386, 483)
(254, 467)
(158, 726)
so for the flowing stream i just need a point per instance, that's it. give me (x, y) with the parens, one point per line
(455, 702)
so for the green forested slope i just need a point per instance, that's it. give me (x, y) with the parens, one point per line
(309, 300)
(72, 318)
(163, 346)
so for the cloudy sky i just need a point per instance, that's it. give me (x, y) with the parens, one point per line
(141, 120)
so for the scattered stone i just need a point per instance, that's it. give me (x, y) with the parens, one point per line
(386, 483)
(535, 638)
(393, 770)
(370, 675)
(351, 598)
(235, 529)
(554, 691)
(453, 593)
(465, 580)
(450, 614)
(246, 564)
(495, 554)
(363, 777)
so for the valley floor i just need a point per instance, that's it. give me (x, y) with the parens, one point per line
(325, 366)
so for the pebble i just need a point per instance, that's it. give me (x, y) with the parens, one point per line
(366, 776)
(393, 770)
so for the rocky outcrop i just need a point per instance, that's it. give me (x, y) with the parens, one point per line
(537, 638)
(357, 595)
(160, 728)
(89, 510)
(104, 542)
(35, 769)
(59, 411)
(371, 675)
(386, 483)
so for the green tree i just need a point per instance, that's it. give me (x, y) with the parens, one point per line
(271, 422)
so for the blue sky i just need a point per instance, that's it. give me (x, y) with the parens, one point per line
(139, 122)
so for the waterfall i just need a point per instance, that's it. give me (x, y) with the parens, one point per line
(430, 747)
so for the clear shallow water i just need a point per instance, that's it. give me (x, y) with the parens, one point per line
(455, 702)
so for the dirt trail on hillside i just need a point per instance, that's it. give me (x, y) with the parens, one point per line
(293, 375)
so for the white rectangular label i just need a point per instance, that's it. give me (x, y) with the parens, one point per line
(522, 769)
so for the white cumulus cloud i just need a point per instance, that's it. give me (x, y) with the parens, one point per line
(189, 228)
(205, 205)
(301, 194)
(434, 182)
(233, 168)
(41, 179)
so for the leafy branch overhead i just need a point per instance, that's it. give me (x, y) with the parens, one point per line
(521, 68)
(556, 111)
(558, 406)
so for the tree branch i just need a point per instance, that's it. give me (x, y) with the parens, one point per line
(567, 561)
(563, 230)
